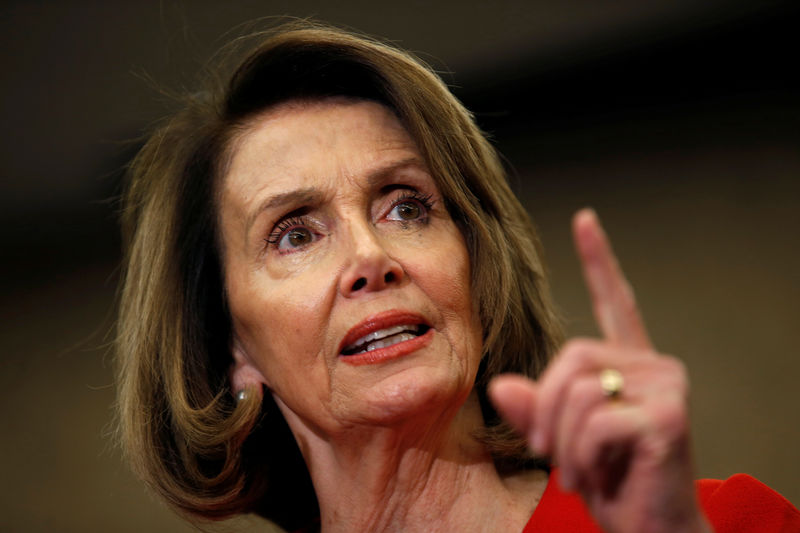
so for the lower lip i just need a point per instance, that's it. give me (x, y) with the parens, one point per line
(388, 353)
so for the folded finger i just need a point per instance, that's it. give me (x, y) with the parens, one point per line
(583, 396)
(578, 358)
(603, 450)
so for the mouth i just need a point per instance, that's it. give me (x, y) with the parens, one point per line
(385, 336)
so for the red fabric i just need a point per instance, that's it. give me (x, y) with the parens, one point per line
(740, 504)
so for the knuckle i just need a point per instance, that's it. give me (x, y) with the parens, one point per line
(676, 365)
(578, 349)
(675, 374)
(669, 418)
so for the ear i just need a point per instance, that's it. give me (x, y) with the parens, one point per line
(243, 374)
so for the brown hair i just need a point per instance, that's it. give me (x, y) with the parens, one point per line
(179, 424)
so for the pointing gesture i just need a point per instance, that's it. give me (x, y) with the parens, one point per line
(611, 413)
(612, 297)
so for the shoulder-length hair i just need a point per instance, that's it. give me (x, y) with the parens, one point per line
(179, 424)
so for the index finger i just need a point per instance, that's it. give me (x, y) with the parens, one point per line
(613, 301)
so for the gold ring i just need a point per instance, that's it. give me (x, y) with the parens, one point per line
(611, 382)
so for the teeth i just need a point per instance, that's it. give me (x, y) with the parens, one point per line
(383, 343)
(382, 334)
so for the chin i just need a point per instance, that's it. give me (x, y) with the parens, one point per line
(413, 395)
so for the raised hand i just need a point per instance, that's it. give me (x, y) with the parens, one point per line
(623, 444)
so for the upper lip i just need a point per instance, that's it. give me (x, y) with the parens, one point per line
(383, 320)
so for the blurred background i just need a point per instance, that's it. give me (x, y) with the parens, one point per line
(676, 119)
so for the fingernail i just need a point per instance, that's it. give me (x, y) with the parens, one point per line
(588, 212)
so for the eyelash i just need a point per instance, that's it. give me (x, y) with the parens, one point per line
(282, 227)
(425, 200)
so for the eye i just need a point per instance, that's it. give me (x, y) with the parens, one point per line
(290, 235)
(405, 211)
(410, 206)
(295, 238)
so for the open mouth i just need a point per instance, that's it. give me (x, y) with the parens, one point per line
(384, 338)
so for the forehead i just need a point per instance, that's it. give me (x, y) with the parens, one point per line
(297, 143)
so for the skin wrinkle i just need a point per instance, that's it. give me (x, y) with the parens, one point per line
(411, 470)
(177, 300)
(413, 476)
(310, 195)
(374, 432)
(404, 424)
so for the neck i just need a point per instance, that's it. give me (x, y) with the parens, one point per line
(419, 476)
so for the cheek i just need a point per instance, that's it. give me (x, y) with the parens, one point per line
(454, 280)
(442, 270)
(281, 324)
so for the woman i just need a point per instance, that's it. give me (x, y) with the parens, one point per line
(326, 271)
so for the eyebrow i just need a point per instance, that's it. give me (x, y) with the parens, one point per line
(312, 195)
(377, 176)
(308, 195)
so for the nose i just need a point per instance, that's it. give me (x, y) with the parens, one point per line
(369, 267)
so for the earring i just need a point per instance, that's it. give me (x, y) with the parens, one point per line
(241, 396)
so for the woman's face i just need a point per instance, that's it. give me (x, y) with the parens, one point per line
(347, 281)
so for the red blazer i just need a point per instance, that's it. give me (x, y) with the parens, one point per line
(740, 504)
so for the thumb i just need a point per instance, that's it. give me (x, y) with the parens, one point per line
(514, 397)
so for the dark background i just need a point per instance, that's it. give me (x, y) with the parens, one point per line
(676, 119)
